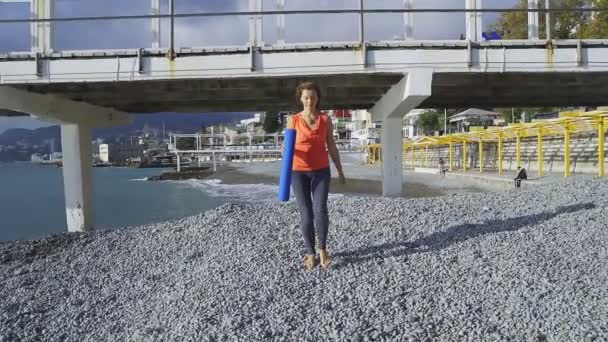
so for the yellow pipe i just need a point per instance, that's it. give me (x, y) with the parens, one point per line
(480, 155)
(518, 149)
(451, 156)
(540, 154)
(376, 149)
(500, 154)
(421, 156)
(426, 155)
(464, 155)
(566, 151)
(601, 143)
(413, 160)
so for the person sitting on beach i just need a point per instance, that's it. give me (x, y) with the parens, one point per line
(311, 172)
(441, 166)
(521, 174)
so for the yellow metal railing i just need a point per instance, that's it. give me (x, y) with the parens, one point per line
(566, 125)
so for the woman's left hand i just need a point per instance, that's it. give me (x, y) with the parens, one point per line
(341, 178)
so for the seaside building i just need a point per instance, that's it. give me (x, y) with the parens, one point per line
(109, 153)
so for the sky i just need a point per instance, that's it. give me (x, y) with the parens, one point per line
(217, 31)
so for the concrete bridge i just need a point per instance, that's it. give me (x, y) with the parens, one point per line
(94, 88)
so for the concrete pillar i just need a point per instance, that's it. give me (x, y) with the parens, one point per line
(392, 141)
(78, 177)
(408, 20)
(42, 32)
(155, 24)
(179, 168)
(533, 22)
(474, 28)
(402, 97)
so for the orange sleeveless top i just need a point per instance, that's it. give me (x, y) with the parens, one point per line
(310, 153)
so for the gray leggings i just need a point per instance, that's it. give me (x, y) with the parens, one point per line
(313, 211)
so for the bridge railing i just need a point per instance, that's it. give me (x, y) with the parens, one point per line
(43, 22)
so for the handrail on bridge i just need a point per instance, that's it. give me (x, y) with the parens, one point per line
(43, 17)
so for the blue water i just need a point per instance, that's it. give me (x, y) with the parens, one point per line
(32, 200)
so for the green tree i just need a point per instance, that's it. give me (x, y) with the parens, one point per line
(564, 25)
(430, 121)
(507, 113)
(271, 122)
(597, 26)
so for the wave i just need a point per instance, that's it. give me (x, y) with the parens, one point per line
(240, 192)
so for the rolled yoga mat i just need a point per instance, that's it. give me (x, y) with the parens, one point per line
(286, 165)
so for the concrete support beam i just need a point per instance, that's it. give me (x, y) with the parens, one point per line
(533, 21)
(402, 97)
(408, 20)
(56, 109)
(78, 176)
(42, 32)
(474, 27)
(155, 24)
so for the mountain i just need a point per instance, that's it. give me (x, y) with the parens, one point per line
(173, 122)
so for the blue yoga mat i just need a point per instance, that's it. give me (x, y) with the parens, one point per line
(285, 180)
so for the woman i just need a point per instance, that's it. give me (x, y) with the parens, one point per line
(311, 173)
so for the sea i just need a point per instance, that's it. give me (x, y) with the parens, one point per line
(32, 199)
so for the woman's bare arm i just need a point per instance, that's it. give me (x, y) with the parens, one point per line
(333, 150)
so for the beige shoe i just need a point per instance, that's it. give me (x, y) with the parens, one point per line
(310, 262)
(325, 260)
